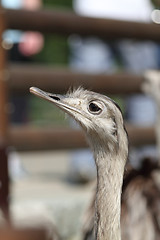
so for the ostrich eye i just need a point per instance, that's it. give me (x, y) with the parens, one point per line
(94, 108)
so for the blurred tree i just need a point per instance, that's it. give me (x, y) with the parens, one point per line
(57, 3)
(55, 49)
(156, 3)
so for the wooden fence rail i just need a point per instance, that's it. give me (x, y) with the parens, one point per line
(67, 22)
(37, 138)
(58, 80)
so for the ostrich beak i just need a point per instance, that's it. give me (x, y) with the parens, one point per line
(61, 101)
(45, 95)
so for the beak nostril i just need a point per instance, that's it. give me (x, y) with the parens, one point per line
(55, 98)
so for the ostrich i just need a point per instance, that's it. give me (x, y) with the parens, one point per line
(102, 121)
(140, 186)
(140, 202)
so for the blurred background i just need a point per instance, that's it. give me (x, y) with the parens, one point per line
(51, 179)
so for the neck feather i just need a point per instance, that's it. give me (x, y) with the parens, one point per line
(108, 198)
(110, 161)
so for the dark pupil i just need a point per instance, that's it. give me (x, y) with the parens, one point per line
(93, 107)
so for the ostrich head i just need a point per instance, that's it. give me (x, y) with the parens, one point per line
(99, 116)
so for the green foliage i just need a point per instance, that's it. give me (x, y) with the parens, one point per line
(57, 3)
(120, 101)
(156, 3)
(44, 113)
(55, 50)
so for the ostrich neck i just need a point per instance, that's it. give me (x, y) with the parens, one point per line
(110, 169)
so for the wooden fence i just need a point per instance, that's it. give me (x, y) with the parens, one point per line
(18, 78)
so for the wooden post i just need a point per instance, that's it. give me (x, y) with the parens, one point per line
(4, 183)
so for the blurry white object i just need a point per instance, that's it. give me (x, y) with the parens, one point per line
(156, 16)
(15, 167)
(11, 4)
(133, 10)
(91, 55)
